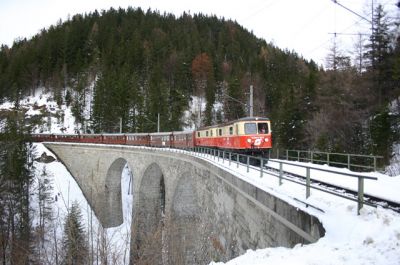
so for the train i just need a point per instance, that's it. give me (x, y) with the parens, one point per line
(245, 135)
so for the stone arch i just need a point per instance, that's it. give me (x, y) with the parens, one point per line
(112, 194)
(185, 224)
(149, 221)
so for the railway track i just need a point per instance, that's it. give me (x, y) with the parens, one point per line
(339, 191)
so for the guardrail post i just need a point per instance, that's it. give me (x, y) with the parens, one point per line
(223, 157)
(230, 156)
(261, 167)
(287, 154)
(248, 164)
(308, 182)
(327, 158)
(312, 156)
(374, 163)
(298, 156)
(237, 160)
(218, 156)
(360, 199)
(280, 173)
(348, 161)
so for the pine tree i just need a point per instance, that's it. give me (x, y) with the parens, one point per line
(378, 50)
(75, 245)
(45, 199)
(16, 173)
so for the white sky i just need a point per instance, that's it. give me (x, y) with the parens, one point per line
(302, 26)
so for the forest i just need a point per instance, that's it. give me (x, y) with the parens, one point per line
(131, 65)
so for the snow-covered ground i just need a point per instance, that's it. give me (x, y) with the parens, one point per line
(54, 118)
(385, 187)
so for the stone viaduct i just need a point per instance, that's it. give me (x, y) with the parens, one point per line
(186, 210)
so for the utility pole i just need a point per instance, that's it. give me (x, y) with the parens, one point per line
(251, 101)
(158, 122)
(120, 125)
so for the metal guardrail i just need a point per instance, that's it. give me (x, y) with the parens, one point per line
(250, 161)
(351, 161)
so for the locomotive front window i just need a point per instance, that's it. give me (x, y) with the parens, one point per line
(262, 128)
(250, 128)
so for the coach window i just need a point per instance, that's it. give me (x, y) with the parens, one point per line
(211, 133)
(220, 132)
(230, 130)
(206, 133)
(250, 128)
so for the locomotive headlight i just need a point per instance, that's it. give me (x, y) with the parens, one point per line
(266, 140)
(249, 140)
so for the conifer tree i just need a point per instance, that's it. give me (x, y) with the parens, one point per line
(16, 173)
(378, 50)
(75, 245)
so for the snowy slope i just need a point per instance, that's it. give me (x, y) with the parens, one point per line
(54, 118)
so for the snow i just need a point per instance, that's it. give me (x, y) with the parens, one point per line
(55, 118)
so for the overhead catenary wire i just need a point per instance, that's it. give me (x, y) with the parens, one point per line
(348, 9)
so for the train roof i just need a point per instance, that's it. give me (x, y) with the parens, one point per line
(234, 121)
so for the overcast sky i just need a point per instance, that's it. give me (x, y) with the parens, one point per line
(304, 26)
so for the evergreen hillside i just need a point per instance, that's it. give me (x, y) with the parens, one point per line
(132, 65)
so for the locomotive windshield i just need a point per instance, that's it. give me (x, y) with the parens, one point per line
(250, 128)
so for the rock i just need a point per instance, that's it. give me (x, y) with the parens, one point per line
(44, 158)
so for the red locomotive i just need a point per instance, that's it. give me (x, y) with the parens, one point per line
(251, 134)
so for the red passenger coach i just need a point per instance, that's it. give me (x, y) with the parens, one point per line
(138, 139)
(91, 138)
(183, 139)
(251, 134)
(161, 139)
(114, 139)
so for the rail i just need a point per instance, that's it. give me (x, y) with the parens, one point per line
(250, 161)
(351, 161)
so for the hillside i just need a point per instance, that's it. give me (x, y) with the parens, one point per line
(132, 64)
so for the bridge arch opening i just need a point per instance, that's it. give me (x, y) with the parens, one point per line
(112, 195)
(150, 217)
(185, 242)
